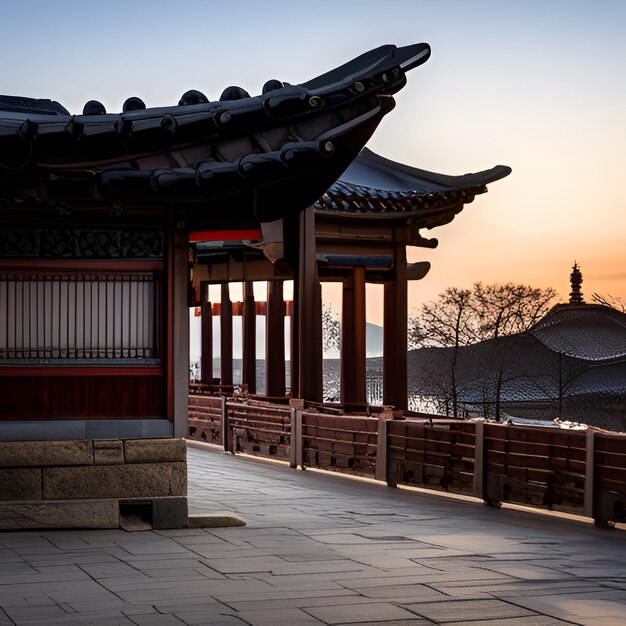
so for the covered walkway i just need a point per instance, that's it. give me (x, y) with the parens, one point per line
(319, 549)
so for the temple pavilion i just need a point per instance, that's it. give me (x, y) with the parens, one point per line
(108, 229)
(356, 233)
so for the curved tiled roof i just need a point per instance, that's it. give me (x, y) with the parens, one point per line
(592, 332)
(373, 184)
(285, 146)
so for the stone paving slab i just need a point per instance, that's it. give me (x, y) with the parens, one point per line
(296, 599)
(278, 617)
(580, 608)
(319, 548)
(414, 621)
(401, 593)
(34, 613)
(449, 611)
(533, 620)
(209, 618)
(308, 603)
(92, 619)
(347, 614)
(157, 619)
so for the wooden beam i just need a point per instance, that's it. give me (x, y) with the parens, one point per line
(234, 270)
(355, 247)
(206, 341)
(341, 229)
(275, 340)
(226, 337)
(395, 390)
(309, 312)
(353, 351)
(248, 376)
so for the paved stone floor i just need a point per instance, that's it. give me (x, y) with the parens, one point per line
(319, 549)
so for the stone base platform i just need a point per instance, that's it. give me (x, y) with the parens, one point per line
(132, 483)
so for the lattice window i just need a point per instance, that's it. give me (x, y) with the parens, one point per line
(48, 317)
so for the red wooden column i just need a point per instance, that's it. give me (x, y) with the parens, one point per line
(248, 375)
(309, 294)
(206, 341)
(353, 352)
(226, 337)
(179, 321)
(395, 389)
(294, 348)
(275, 340)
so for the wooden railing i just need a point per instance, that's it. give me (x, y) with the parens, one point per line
(258, 428)
(205, 418)
(573, 471)
(543, 467)
(433, 456)
(608, 498)
(340, 442)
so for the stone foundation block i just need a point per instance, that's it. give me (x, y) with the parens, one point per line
(141, 480)
(59, 514)
(45, 453)
(108, 452)
(155, 450)
(20, 484)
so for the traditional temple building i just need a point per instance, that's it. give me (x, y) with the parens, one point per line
(569, 366)
(95, 215)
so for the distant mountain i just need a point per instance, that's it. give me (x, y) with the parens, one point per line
(373, 343)
(374, 340)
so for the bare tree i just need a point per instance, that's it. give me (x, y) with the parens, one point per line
(503, 310)
(331, 329)
(447, 322)
(509, 309)
(611, 301)
(461, 317)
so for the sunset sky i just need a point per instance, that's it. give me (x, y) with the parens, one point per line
(537, 85)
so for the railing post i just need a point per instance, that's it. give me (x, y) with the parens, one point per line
(381, 448)
(479, 463)
(589, 477)
(298, 440)
(296, 453)
(293, 440)
(225, 427)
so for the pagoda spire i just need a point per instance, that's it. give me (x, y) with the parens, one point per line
(576, 279)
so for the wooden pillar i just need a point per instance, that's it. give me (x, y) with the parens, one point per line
(291, 238)
(309, 313)
(275, 340)
(180, 335)
(206, 341)
(226, 337)
(248, 375)
(395, 389)
(353, 352)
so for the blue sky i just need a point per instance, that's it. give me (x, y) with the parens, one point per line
(537, 85)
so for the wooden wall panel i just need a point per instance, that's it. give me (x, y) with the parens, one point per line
(81, 397)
